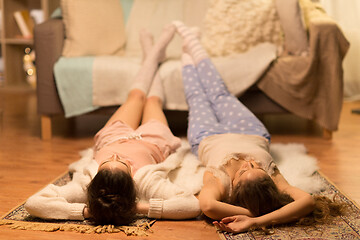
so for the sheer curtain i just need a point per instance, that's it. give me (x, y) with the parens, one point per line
(347, 15)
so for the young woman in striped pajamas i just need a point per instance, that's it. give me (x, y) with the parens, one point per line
(242, 187)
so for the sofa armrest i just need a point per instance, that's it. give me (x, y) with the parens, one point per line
(48, 41)
(325, 31)
(309, 86)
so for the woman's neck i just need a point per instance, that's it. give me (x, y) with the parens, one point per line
(232, 166)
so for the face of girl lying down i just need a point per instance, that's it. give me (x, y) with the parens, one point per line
(116, 163)
(250, 170)
(255, 190)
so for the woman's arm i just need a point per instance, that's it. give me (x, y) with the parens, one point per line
(164, 199)
(290, 212)
(168, 201)
(210, 200)
(178, 207)
(302, 205)
(53, 202)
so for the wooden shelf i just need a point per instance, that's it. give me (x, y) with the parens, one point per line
(19, 41)
(22, 88)
(12, 45)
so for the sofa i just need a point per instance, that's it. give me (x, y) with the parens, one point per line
(291, 64)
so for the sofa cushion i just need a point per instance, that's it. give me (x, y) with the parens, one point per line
(296, 41)
(112, 79)
(236, 26)
(86, 20)
(153, 15)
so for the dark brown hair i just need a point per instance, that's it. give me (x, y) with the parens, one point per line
(112, 198)
(260, 196)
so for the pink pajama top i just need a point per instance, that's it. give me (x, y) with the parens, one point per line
(150, 143)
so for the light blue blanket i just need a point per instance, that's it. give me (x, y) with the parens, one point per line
(73, 77)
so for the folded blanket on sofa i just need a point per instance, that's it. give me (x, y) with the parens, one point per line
(112, 76)
(105, 80)
(75, 98)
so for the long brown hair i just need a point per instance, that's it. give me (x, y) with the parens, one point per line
(259, 196)
(112, 197)
(325, 210)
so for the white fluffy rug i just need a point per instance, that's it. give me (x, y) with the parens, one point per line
(292, 159)
(184, 169)
(297, 166)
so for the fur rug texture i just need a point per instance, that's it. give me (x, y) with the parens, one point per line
(297, 166)
(292, 159)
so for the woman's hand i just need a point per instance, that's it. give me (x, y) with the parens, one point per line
(236, 224)
(86, 213)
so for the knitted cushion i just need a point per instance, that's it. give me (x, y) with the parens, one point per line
(234, 26)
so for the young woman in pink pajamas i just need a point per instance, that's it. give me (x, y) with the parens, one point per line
(136, 135)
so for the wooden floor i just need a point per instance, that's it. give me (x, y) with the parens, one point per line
(27, 164)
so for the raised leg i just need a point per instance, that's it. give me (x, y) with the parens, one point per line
(154, 56)
(131, 111)
(153, 110)
(202, 119)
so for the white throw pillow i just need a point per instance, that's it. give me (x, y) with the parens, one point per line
(234, 26)
(93, 27)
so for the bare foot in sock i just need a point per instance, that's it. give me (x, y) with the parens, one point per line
(160, 46)
(156, 55)
(191, 42)
(186, 59)
(146, 42)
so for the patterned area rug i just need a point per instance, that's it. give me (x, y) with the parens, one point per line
(344, 227)
(19, 218)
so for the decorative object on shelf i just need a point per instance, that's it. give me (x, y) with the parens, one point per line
(29, 66)
(37, 15)
(25, 23)
(12, 40)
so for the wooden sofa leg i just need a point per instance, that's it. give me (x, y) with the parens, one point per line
(46, 131)
(327, 134)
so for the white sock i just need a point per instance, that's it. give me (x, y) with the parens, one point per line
(146, 41)
(157, 88)
(150, 64)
